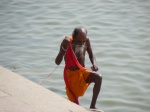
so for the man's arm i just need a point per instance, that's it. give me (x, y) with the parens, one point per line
(91, 56)
(62, 51)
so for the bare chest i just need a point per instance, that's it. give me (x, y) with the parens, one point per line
(79, 50)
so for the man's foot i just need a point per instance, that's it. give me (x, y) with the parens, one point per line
(95, 110)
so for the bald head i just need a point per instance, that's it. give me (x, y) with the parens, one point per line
(79, 31)
(79, 35)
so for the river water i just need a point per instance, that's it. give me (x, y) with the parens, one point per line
(32, 30)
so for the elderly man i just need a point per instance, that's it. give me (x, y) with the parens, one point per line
(76, 76)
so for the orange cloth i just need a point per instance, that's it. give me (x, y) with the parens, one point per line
(76, 80)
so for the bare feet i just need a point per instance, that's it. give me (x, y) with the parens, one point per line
(93, 108)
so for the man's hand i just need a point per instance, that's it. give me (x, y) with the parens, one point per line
(94, 68)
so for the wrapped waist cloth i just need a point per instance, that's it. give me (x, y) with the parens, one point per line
(77, 82)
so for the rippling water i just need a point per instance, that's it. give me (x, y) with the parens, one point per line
(32, 30)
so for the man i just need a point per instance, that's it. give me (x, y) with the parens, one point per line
(77, 78)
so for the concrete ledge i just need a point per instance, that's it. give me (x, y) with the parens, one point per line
(18, 94)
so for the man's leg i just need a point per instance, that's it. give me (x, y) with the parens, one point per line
(97, 79)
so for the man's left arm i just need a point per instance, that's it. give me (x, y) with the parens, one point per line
(91, 56)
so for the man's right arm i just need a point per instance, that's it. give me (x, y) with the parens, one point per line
(62, 51)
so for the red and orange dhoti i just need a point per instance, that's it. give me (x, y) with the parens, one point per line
(75, 80)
